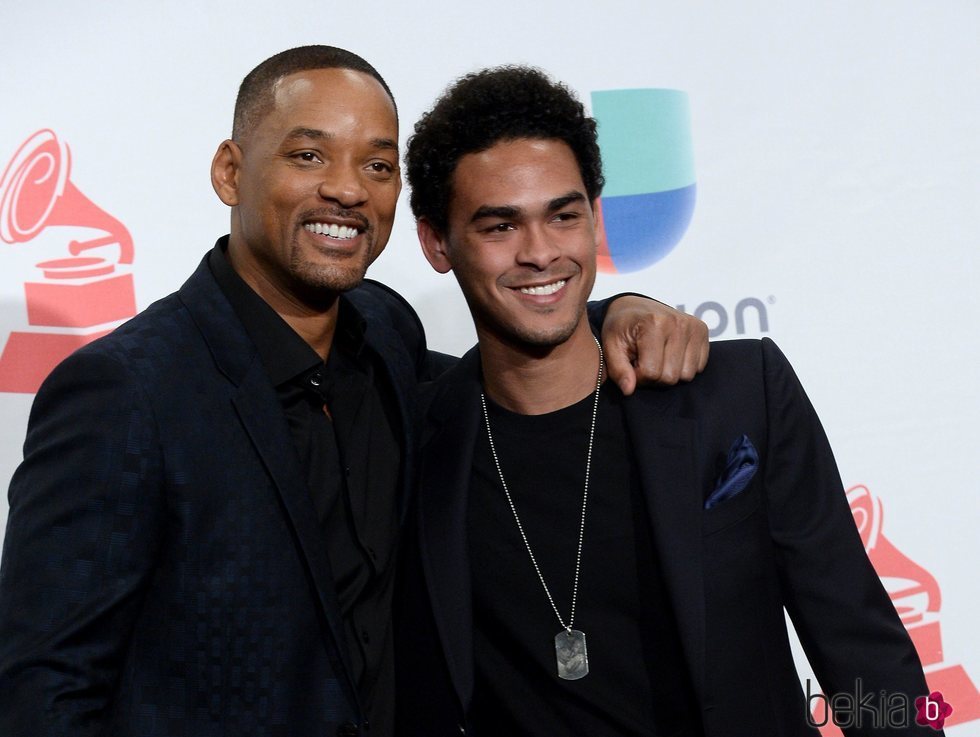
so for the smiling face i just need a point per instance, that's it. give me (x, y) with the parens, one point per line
(313, 186)
(521, 240)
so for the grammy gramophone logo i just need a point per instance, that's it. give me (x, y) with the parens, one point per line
(917, 598)
(70, 300)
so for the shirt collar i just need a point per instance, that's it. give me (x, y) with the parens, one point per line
(282, 351)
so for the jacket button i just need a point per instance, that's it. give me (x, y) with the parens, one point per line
(348, 729)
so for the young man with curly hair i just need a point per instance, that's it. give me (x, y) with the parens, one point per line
(596, 564)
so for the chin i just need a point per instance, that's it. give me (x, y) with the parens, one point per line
(540, 338)
(332, 281)
(331, 277)
(522, 328)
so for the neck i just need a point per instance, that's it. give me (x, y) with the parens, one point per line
(317, 329)
(533, 381)
(314, 319)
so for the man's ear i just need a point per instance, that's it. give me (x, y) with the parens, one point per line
(225, 166)
(601, 244)
(434, 246)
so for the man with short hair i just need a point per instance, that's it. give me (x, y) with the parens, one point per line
(598, 564)
(202, 535)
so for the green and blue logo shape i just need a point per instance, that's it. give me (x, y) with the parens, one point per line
(648, 160)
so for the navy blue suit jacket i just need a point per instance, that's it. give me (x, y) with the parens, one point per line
(787, 540)
(163, 572)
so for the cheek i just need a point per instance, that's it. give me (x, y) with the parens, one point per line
(385, 203)
(487, 270)
(265, 200)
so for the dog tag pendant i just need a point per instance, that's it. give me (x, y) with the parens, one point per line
(573, 658)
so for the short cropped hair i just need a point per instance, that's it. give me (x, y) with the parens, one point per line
(481, 109)
(255, 95)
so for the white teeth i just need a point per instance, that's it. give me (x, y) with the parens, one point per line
(545, 289)
(340, 232)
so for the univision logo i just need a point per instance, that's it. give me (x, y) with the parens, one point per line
(648, 200)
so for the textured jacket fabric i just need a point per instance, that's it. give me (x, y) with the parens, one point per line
(163, 573)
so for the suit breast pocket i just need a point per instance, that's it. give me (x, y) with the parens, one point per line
(732, 511)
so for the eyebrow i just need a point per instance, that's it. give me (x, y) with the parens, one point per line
(565, 200)
(503, 212)
(316, 134)
(508, 212)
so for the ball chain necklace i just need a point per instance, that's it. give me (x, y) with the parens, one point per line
(570, 650)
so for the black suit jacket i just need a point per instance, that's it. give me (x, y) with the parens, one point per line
(163, 572)
(788, 540)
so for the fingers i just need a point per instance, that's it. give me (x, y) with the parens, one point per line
(647, 342)
(696, 352)
(619, 367)
(672, 349)
(702, 361)
(656, 347)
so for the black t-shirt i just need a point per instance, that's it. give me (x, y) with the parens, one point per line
(637, 682)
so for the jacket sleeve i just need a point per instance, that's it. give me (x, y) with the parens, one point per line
(85, 524)
(598, 308)
(840, 610)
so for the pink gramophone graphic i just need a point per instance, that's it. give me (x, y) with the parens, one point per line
(76, 296)
(915, 594)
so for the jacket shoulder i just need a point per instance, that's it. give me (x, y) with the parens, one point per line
(741, 360)
(377, 300)
(154, 334)
(392, 325)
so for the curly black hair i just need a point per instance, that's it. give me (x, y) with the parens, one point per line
(255, 95)
(479, 110)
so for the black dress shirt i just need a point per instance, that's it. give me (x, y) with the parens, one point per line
(343, 420)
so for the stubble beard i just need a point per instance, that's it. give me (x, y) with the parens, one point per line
(542, 339)
(526, 338)
(335, 276)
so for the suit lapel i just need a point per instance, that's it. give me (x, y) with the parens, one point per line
(261, 414)
(447, 460)
(664, 447)
(391, 352)
(262, 417)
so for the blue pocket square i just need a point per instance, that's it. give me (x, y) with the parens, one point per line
(740, 467)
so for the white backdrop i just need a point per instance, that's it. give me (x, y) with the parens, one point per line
(836, 155)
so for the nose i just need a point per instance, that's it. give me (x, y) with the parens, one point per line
(343, 183)
(538, 248)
